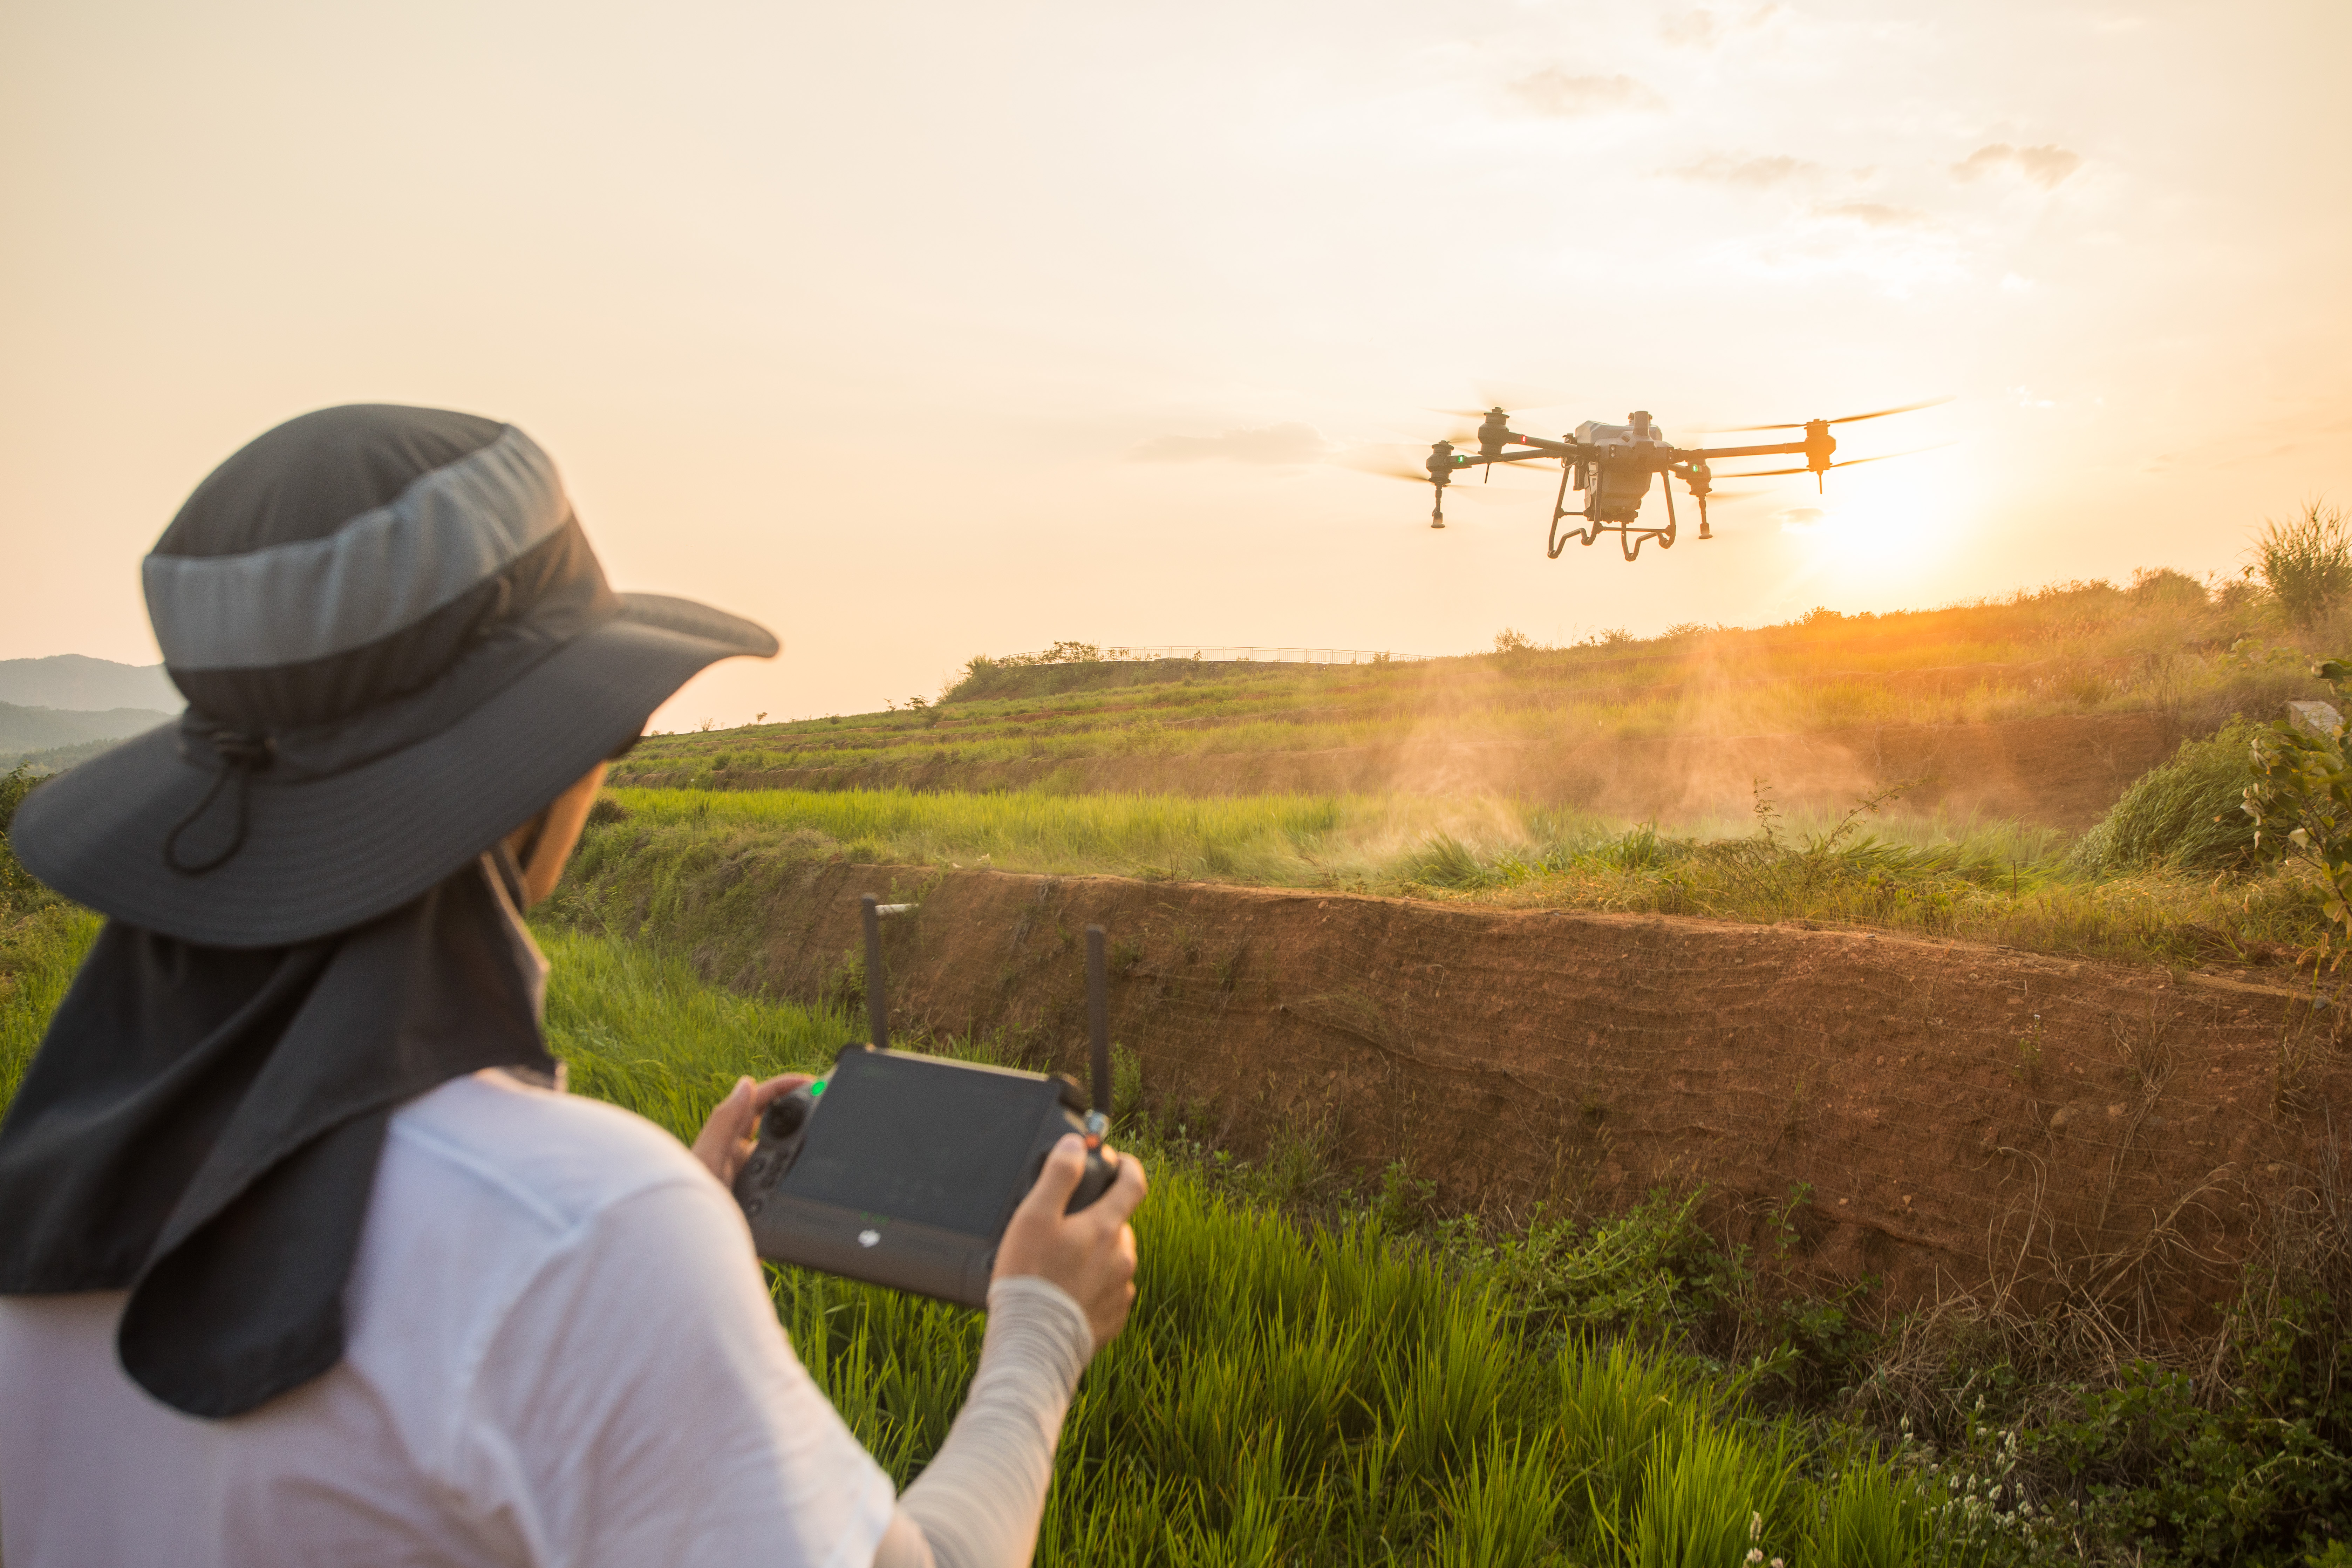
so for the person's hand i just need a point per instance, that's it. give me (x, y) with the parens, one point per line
(1091, 1253)
(727, 1139)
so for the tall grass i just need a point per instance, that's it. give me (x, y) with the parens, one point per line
(2306, 561)
(2187, 812)
(1260, 836)
(39, 951)
(2143, 886)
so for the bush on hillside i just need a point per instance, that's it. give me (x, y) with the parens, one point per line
(2163, 586)
(2301, 804)
(18, 889)
(2189, 813)
(2306, 561)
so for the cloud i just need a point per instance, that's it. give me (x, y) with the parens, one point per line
(1875, 215)
(2045, 166)
(1273, 444)
(1749, 173)
(1553, 91)
(1704, 30)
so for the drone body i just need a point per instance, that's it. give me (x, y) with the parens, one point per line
(1611, 466)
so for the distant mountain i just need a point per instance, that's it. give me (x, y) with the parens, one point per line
(83, 685)
(26, 730)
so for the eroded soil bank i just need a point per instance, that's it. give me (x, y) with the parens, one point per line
(2063, 771)
(2067, 1132)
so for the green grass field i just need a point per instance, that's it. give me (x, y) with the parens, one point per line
(2163, 883)
(1347, 1381)
(1283, 1394)
(2164, 645)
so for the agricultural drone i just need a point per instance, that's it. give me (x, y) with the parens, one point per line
(1611, 465)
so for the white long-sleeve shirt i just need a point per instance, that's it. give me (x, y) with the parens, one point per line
(558, 1352)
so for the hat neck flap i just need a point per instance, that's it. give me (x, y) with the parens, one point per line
(201, 1126)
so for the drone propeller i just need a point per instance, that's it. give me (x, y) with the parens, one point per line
(1842, 463)
(1845, 419)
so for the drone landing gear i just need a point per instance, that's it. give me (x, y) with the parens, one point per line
(1631, 535)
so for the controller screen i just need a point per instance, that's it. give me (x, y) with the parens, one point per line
(927, 1141)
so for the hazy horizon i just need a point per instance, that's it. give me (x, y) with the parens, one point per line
(920, 331)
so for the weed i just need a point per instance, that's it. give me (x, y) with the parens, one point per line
(2305, 562)
(2188, 814)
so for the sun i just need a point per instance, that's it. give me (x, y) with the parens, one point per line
(1875, 539)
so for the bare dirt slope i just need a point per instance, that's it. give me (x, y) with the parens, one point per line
(2063, 771)
(1965, 1117)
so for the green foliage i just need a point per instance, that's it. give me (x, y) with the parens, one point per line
(17, 888)
(2306, 561)
(2301, 803)
(39, 951)
(2188, 814)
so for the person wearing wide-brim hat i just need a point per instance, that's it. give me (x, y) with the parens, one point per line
(304, 1255)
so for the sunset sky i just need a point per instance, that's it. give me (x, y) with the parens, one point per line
(921, 330)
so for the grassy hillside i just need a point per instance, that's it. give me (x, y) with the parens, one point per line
(2164, 646)
(26, 731)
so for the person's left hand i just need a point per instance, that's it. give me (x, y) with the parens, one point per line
(727, 1139)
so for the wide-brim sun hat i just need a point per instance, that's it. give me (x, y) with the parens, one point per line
(396, 646)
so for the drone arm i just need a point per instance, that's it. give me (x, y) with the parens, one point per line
(1543, 449)
(1706, 454)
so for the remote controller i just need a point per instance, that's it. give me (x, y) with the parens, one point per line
(903, 1170)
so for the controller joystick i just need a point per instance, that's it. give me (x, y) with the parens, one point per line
(788, 1113)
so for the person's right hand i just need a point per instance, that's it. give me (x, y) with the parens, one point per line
(1091, 1253)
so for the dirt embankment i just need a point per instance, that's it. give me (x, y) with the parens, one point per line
(2059, 771)
(2064, 1132)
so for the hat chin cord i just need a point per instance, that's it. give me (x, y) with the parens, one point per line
(242, 756)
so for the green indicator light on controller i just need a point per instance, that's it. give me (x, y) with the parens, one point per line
(816, 1088)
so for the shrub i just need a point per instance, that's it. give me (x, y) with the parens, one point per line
(17, 888)
(2301, 804)
(2306, 562)
(2188, 813)
(1511, 640)
(2163, 586)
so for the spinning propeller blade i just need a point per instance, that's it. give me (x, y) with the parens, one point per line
(1840, 463)
(1883, 412)
(1843, 419)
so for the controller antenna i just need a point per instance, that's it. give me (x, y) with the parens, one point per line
(1098, 1036)
(878, 1005)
